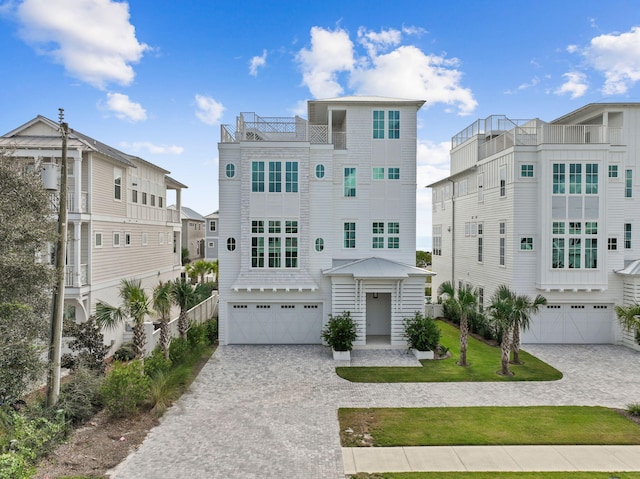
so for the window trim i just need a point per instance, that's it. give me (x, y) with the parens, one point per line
(96, 243)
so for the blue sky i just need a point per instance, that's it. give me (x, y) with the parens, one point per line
(156, 78)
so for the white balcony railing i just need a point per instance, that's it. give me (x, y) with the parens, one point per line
(70, 274)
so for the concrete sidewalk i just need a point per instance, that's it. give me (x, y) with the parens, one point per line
(491, 458)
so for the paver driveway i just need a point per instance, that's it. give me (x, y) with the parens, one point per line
(270, 411)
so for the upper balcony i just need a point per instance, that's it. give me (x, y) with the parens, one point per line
(251, 127)
(497, 133)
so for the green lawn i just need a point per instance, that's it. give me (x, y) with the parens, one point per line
(448, 426)
(500, 475)
(484, 361)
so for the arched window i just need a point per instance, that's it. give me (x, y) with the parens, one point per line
(231, 244)
(319, 244)
(319, 171)
(231, 170)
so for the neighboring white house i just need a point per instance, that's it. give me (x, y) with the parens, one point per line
(211, 236)
(318, 217)
(119, 226)
(546, 208)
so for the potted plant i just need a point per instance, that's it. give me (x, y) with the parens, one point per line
(340, 333)
(422, 335)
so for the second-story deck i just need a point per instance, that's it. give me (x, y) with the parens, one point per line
(251, 127)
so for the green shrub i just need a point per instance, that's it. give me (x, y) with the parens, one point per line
(15, 466)
(451, 313)
(179, 351)
(125, 389)
(87, 343)
(32, 438)
(80, 397)
(166, 386)
(156, 363)
(340, 332)
(212, 330)
(126, 352)
(197, 336)
(634, 409)
(422, 333)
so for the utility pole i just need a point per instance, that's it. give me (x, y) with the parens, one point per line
(55, 343)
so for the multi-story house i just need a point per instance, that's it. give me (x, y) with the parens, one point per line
(546, 208)
(193, 233)
(211, 236)
(318, 217)
(119, 226)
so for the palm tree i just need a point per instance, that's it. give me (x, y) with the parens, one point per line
(162, 306)
(199, 269)
(183, 296)
(524, 308)
(135, 306)
(629, 317)
(464, 303)
(502, 309)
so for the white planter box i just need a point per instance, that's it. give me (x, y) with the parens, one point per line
(341, 355)
(422, 354)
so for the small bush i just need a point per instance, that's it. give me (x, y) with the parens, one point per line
(340, 332)
(87, 343)
(197, 336)
(450, 313)
(125, 389)
(634, 409)
(166, 386)
(179, 351)
(15, 466)
(422, 332)
(80, 397)
(126, 352)
(31, 439)
(156, 363)
(212, 330)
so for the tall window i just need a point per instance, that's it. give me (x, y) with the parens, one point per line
(393, 230)
(557, 248)
(291, 177)
(257, 244)
(503, 181)
(291, 252)
(480, 243)
(349, 182)
(591, 186)
(558, 178)
(377, 239)
(628, 183)
(350, 235)
(394, 124)
(575, 178)
(503, 240)
(627, 236)
(274, 252)
(591, 253)
(394, 173)
(117, 183)
(378, 124)
(212, 225)
(437, 240)
(574, 253)
(275, 177)
(257, 176)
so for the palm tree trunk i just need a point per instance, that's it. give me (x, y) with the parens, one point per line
(505, 349)
(139, 340)
(165, 339)
(464, 340)
(183, 324)
(515, 345)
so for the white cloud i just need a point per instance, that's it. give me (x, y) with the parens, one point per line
(208, 111)
(331, 53)
(385, 68)
(572, 48)
(92, 39)
(575, 84)
(257, 62)
(124, 108)
(153, 148)
(617, 56)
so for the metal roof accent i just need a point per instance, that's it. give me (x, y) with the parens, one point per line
(376, 268)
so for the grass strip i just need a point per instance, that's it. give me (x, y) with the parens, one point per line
(484, 362)
(480, 426)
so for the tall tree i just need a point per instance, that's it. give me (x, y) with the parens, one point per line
(183, 295)
(524, 309)
(135, 307)
(629, 318)
(199, 269)
(464, 301)
(162, 306)
(502, 309)
(27, 226)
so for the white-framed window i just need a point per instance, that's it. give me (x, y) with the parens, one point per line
(98, 239)
(160, 238)
(526, 171)
(145, 239)
(144, 198)
(127, 239)
(628, 183)
(212, 225)
(612, 243)
(394, 124)
(480, 243)
(393, 232)
(437, 240)
(116, 240)
(349, 234)
(503, 181)
(231, 244)
(378, 173)
(502, 230)
(377, 234)
(230, 170)
(211, 244)
(319, 244)
(319, 171)
(117, 184)
(627, 235)
(350, 182)
(526, 243)
(153, 200)
(393, 173)
(613, 171)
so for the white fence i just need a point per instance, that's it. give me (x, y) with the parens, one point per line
(197, 315)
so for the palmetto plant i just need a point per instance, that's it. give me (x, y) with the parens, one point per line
(162, 306)
(199, 269)
(502, 309)
(629, 317)
(464, 301)
(135, 306)
(524, 308)
(183, 295)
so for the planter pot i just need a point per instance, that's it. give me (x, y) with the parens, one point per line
(422, 354)
(341, 355)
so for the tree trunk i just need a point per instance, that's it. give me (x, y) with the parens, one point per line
(505, 347)
(515, 346)
(183, 324)
(464, 340)
(165, 339)
(139, 340)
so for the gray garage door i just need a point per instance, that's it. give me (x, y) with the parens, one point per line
(572, 324)
(275, 323)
